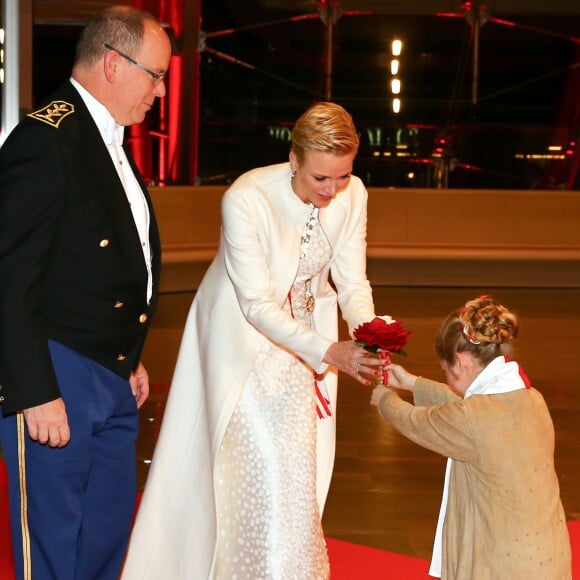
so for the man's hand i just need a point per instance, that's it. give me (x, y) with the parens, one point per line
(48, 423)
(139, 381)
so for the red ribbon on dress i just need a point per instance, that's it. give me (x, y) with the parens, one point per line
(322, 403)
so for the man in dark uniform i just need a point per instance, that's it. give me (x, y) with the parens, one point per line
(79, 270)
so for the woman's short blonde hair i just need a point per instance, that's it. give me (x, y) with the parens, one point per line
(326, 127)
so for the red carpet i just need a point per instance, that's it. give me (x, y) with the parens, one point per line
(348, 561)
(354, 562)
(6, 565)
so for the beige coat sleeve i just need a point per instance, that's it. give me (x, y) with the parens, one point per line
(444, 428)
(427, 392)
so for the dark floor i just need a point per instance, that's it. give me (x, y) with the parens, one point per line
(386, 491)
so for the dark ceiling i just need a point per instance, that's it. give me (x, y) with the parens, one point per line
(265, 61)
(523, 60)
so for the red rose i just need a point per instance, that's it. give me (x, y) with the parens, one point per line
(378, 333)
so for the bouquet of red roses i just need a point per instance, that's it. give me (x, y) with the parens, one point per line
(382, 333)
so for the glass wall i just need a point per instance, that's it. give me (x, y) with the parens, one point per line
(488, 106)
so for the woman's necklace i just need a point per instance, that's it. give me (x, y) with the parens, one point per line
(308, 229)
(307, 300)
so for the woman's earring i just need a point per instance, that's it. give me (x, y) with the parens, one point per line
(293, 173)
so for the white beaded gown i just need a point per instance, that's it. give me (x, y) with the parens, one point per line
(268, 518)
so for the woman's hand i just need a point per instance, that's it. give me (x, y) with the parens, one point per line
(354, 360)
(400, 378)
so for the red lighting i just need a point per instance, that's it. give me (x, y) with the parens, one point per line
(441, 145)
(505, 22)
(468, 6)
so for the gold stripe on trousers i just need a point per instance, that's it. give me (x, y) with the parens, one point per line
(26, 558)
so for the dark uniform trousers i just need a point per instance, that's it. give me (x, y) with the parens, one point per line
(81, 495)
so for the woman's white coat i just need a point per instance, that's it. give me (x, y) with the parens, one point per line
(237, 305)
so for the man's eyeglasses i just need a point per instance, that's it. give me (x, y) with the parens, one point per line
(157, 77)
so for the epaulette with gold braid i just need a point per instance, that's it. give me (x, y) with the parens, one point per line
(53, 113)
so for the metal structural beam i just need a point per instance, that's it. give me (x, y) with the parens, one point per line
(79, 10)
(426, 7)
(10, 87)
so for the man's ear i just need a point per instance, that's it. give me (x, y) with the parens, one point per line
(110, 63)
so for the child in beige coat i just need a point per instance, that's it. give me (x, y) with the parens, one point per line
(501, 514)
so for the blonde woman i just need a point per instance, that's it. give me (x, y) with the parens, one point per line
(243, 463)
(501, 515)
